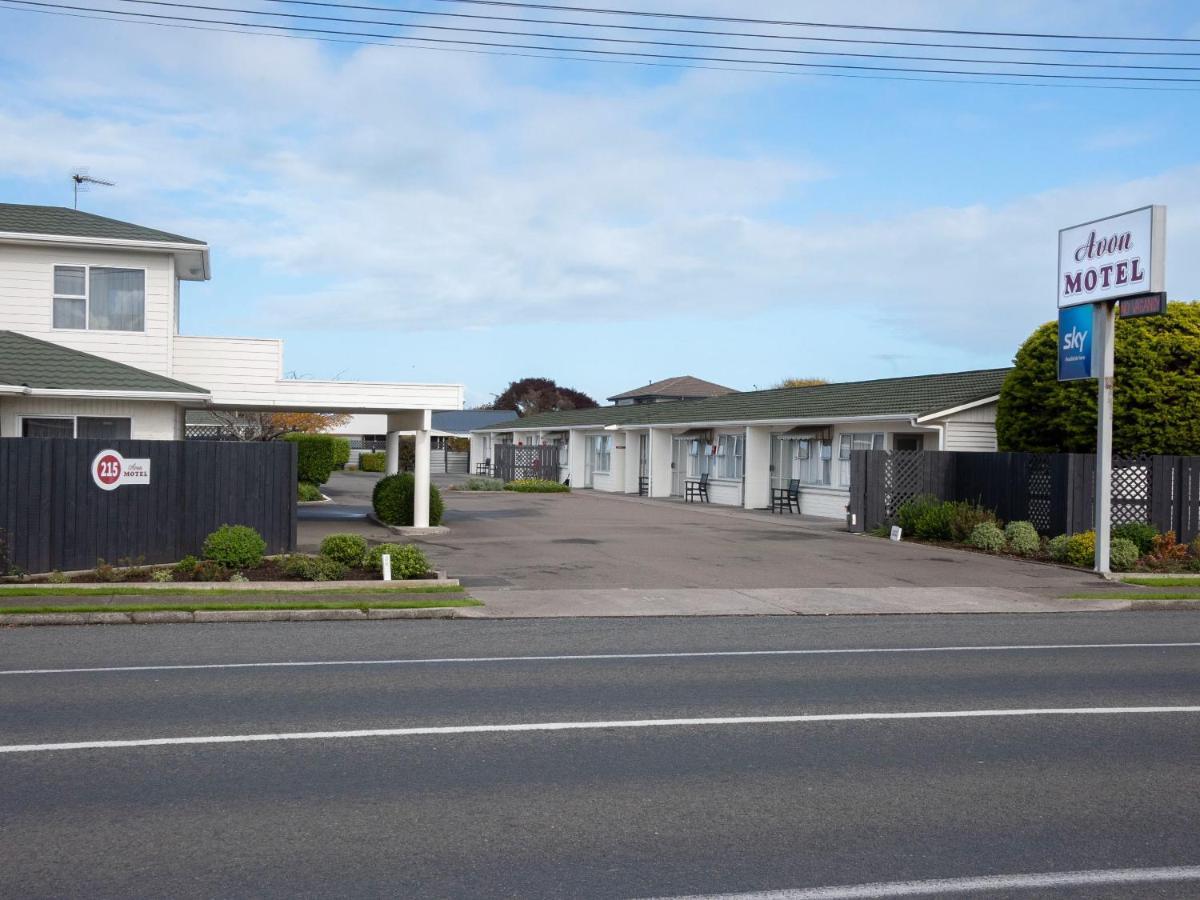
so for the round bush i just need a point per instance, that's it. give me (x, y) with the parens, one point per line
(407, 561)
(1081, 549)
(392, 500)
(1141, 534)
(987, 536)
(235, 547)
(1122, 554)
(348, 549)
(1022, 538)
(1057, 547)
(312, 568)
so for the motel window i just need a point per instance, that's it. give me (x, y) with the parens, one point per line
(601, 449)
(868, 440)
(699, 458)
(99, 298)
(731, 450)
(102, 427)
(811, 460)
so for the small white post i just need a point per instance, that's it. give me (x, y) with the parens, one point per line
(387, 566)
(1104, 322)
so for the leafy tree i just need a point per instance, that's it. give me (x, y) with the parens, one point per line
(270, 426)
(538, 395)
(1156, 405)
(800, 382)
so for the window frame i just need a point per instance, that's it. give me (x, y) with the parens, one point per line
(87, 298)
(602, 445)
(725, 460)
(74, 420)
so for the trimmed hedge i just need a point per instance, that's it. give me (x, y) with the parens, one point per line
(536, 486)
(372, 462)
(341, 452)
(392, 500)
(235, 547)
(407, 560)
(315, 456)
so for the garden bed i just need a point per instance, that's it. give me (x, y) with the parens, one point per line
(269, 570)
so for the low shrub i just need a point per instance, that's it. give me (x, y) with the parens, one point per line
(372, 462)
(393, 497)
(341, 452)
(348, 549)
(1164, 549)
(314, 456)
(104, 571)
(7, 566)
(1081, 549)
(537, 486)
(238, 578)
(965, 517)
(1057, 548)
(306, 492)
(925, 517)
(185, 569)
(1022, 538)
(192, 569)
(1122, 554)
(235, 547)
(1139, 533)
(312, 568)
(160, 575)
(57, 577)
(1194, 547)
(407, 560)
(987, 536)
(483, 484)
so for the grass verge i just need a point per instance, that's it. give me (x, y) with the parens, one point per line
(1140, 595)
(1174, 581)
(223, 607)
(129, 590)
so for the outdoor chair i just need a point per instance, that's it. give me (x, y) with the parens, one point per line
(693, 490)
(643, 486)
(484, 468)
(788, 497)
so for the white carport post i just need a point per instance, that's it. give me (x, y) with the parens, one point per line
(392, 459)
(421, 471)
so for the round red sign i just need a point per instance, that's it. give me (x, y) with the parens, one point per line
(106, 469)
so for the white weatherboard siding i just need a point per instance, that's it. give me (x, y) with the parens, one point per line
(150, 421)
(27, 303)
(972, 429)
(248, 372)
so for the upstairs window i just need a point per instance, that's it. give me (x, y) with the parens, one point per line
(99, 298)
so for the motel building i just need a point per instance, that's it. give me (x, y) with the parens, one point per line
(90, 345)
(752, 442)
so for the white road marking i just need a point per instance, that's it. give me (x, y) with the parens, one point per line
(594, 726)
(463, 660)
(958, 886)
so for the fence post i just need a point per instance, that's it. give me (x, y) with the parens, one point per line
(858, 490)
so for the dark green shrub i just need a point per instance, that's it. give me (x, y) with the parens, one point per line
(392, 500)
(965, 517)
(235, 547)
(315, 456)
(1057, 547)
(307, 493)
(372, 462)
(537, 486)
(1139, 533)
(925, 517)
(1122, 554)
(7, 567)
(341, 452)
(191, 569)
(1022, 538)
(348, 549)
(185, 569)
(986, 536)
(407, 560)
(312, 568)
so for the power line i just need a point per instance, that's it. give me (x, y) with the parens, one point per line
(786, 22)
(750, 34)
(973, 78)
(176, 4)
(675, 44)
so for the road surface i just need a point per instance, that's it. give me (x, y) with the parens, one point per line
(1054, 755)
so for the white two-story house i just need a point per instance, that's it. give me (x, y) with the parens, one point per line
(90, 343)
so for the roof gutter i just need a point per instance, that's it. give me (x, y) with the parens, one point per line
(21, 390)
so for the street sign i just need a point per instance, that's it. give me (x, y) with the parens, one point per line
(1111, 258)
(110, 470)
(1075, 343)
(1144, 305)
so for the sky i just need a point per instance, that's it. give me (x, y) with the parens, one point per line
(398, 213)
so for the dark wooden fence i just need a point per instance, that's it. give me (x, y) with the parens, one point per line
(510, 462)
(56, 517)
(1054, 491)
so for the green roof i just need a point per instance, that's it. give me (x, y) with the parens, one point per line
(40, 365)
(918, 395)
(64, 222)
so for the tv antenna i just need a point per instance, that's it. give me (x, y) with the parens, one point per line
(82, 181)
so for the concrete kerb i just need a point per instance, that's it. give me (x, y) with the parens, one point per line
(201, 617)
(408, 530)
(200, 587)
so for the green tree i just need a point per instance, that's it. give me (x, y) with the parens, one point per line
(1156, 405)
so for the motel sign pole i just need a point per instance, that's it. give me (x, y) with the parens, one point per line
(1118, 258)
